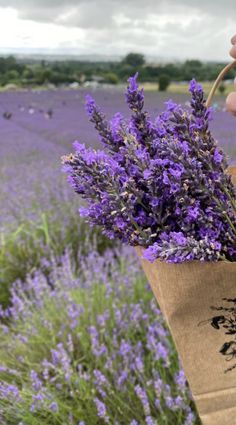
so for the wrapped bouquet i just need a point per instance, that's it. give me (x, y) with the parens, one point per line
(163, 186)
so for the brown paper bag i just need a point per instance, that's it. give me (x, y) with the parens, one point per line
(198, 301)
(196, 297)
(232, 171)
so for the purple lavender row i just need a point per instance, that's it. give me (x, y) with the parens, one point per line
(31, 145)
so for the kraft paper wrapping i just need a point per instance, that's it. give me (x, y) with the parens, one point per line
(198, 301)
(188, 292)
(232, 171)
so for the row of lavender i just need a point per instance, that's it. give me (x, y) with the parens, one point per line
(83, 341)
(33, 141)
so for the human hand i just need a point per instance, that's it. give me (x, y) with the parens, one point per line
(231, 98)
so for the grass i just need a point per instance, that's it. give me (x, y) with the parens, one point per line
(22, 250)
(182, 88)
(174, 87)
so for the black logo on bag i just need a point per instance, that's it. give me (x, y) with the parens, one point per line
(226, 319)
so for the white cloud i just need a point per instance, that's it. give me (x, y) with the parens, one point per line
(164, 28)
(17, 33)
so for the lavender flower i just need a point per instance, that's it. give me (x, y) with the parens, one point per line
(142, 395)
(190, 419)
(161, 185)
(181, 380)
(140, 125)
(36, 382)
(149, 420)
(53, 407)
(101, 383)
(101, 409)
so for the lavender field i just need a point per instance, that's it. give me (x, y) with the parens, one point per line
(42, 127)
(82, 339)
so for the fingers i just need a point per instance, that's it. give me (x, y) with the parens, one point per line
(231, 98)
(231, 103)
(233, 48)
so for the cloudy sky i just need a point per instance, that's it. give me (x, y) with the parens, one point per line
(161, 28)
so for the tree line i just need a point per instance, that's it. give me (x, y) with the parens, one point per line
(41, 72)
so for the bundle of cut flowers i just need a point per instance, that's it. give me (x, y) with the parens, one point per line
(160, 184)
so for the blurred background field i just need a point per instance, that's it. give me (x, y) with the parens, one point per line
(82, 340)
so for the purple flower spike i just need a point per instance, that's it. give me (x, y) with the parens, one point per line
(90, 105)
(101, 410)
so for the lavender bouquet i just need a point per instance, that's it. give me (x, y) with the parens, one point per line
(161, 185)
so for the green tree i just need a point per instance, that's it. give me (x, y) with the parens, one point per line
(42, 75)
(10, 62)
(192, 69)
(136, 60)
(12, 75)
(163, 81)
(124, 71)
(28, 74)
(111, 78)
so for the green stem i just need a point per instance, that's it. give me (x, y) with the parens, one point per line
(225, 214)
(233, 202)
